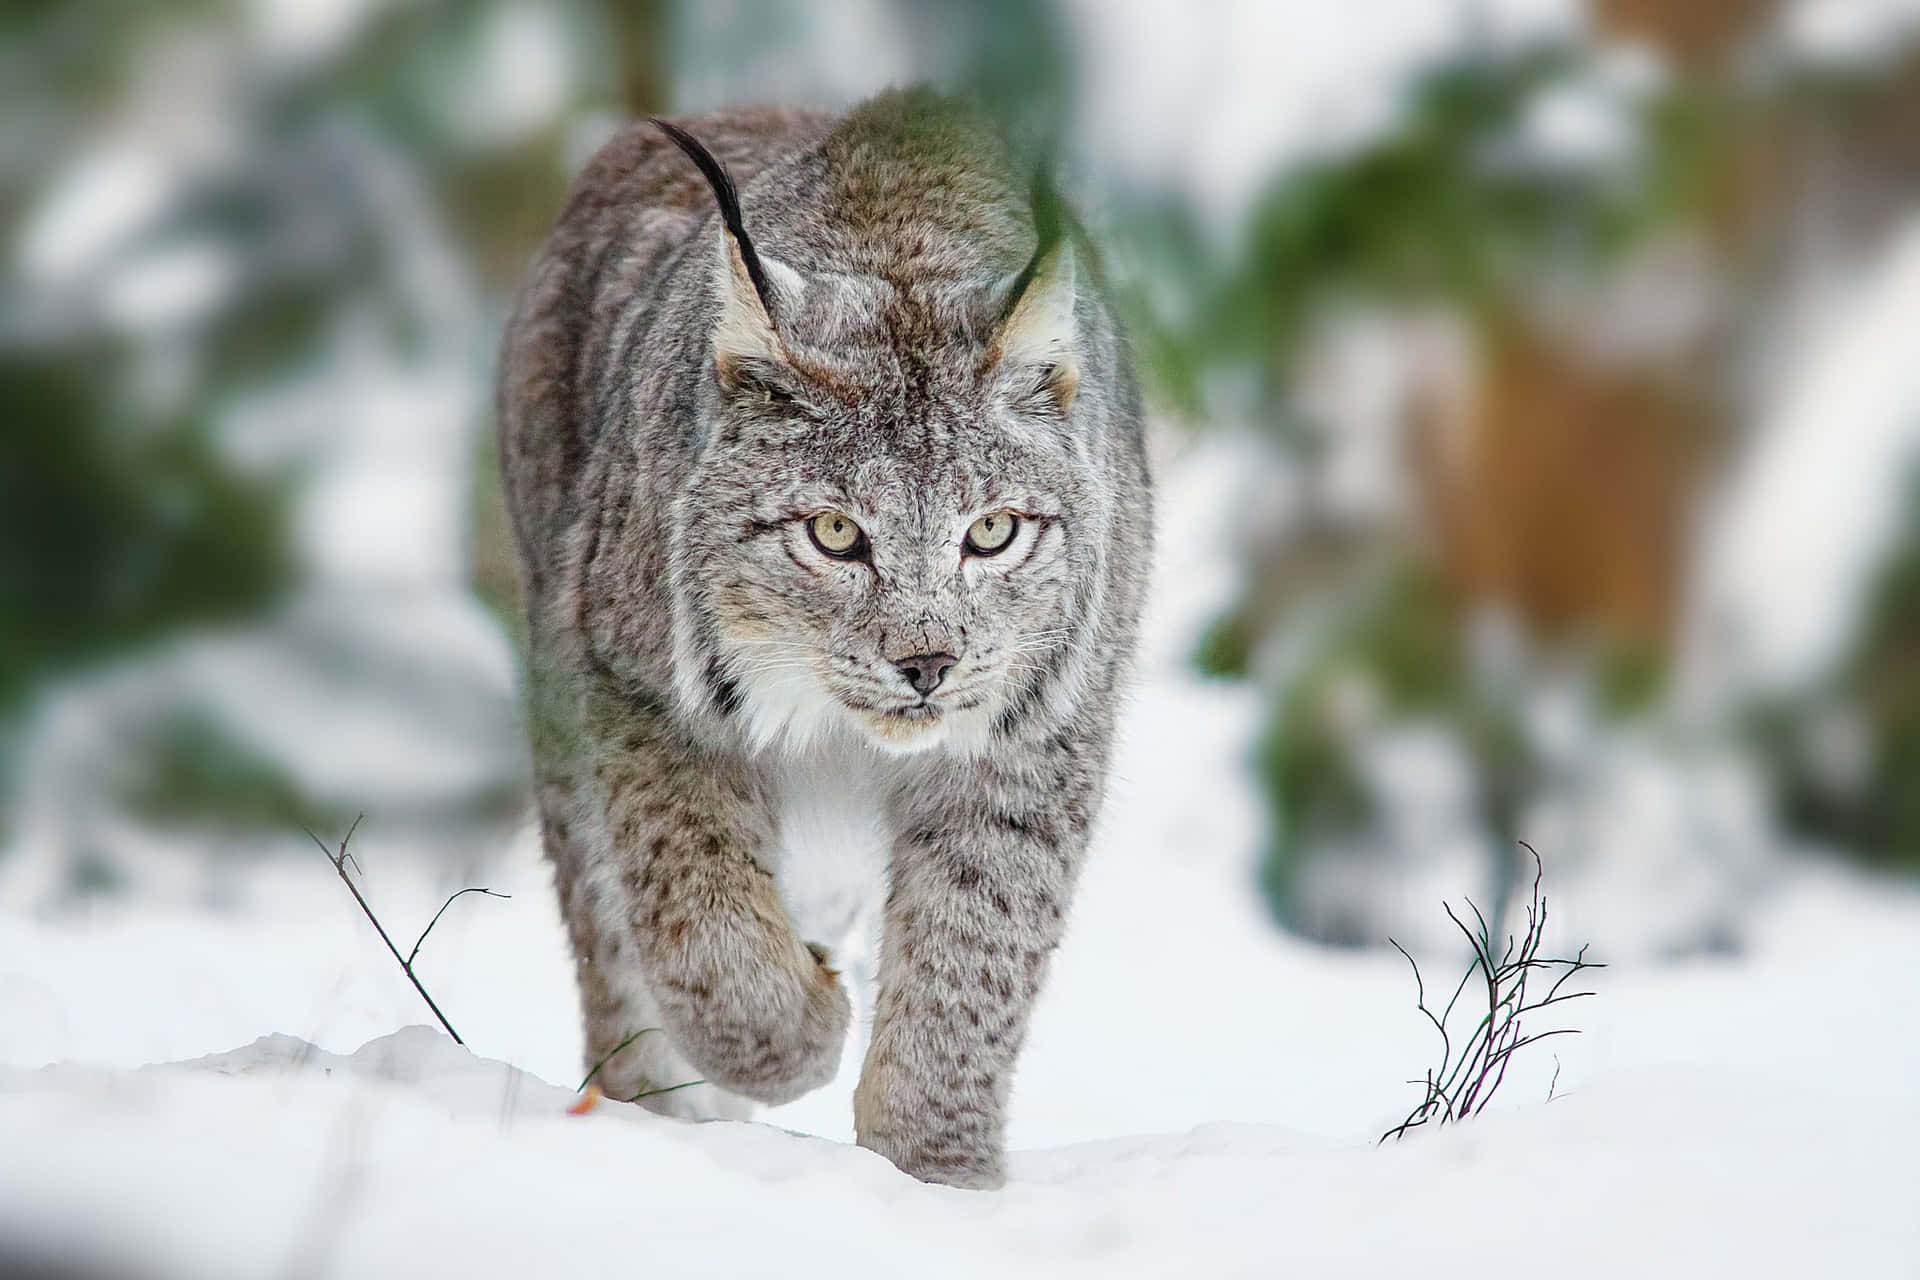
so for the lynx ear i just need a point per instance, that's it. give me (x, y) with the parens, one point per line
(1036, 338)
(751, 289)
(745, 331)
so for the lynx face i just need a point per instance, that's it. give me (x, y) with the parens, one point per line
(888, 557)
(881, 528)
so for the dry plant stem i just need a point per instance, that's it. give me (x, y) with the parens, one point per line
(611, 1053)
(644, 1093)
(1468, 1077)
(340, 858)
(648, 1093)
(442, 911)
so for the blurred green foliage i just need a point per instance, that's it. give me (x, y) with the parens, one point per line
(191, 768)
(117, 522)
(1395, 653)
(127, 515)
(1883, 674)
(1876, 811)
(1441, 210)
(109, 536)
(146, 483)
(1444, 207)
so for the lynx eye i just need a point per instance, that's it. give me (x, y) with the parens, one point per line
(837, 535)
(990, 534)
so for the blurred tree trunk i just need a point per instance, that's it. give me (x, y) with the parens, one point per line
(1564, 493)
(1696, 36)
(1566, 490)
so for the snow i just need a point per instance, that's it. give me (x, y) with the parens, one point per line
(1271, 81)
(1715, 1129)
(1200, 1091)
(1578, 126)
(1843, 32)
(91, 211)
(1808, 513)
(411, 1157)
(835, 53)
(169, 289)
(1214, 98)
(520, 79)
(301, 33)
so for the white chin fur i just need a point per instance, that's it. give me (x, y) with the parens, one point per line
(958, 733)
(901, 737)
(786, 705)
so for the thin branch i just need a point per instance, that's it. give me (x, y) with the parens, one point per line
(340, 859)
(1420, 988)
(411, 955)
(344, 856)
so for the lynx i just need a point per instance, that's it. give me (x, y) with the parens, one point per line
(833, 516)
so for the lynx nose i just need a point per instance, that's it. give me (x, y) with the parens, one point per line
(925, 671)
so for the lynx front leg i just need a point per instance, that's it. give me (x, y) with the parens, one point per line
(740, 995)
(626, 1043)
(981, 878)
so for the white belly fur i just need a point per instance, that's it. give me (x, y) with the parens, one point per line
(831, 864)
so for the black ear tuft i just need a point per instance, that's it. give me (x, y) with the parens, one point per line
(1049, 215)
(1049, 224)
(727, 198)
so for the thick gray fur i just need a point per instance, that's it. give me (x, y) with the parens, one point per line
(708, 691)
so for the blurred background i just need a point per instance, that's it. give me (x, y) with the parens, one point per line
(1550, 368)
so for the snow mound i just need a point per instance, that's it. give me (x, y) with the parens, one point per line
(414, 1157)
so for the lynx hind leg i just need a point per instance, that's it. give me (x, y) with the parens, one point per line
(627, 1045)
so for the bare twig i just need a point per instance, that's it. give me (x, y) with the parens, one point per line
(588, 1079)
(648, 1093)
(1468, 1076)
(442, 911)
(644, 1093)
(341, 858)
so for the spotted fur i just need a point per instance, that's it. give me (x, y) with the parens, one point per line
(705, 687)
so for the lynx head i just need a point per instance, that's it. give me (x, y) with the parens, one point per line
(893, 524)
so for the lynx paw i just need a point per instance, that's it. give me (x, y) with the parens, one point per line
(972, 1171)
(770, 1040)
(935, 1140)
